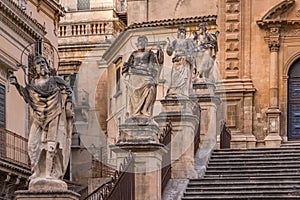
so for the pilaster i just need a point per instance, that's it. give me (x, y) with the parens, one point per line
(273, 138)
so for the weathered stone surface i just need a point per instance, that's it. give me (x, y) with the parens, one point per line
(147, 167)
(182, 114)
(46, 195)
(39, 184)
(138, 130)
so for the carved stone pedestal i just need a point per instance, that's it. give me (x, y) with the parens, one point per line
(205, 95)
(181, 113)
(46, 195)
(147, 167)
(41, 184)
(273, 138)
(140, 137)
(138, 129)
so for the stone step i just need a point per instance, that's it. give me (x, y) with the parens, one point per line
(253, 167)
(252, 174)
(261, 173)
(262, 155)
(244, 188)
(244, 193)
(253, 163)
(252, 171)
(227, 179)
(234, 183)
(284, 147)
(291, 144)
(243, 197)
(261, 159)
(287, 149)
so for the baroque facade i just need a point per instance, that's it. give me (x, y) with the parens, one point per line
(258, 63)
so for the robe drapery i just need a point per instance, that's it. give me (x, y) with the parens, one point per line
(49, 124)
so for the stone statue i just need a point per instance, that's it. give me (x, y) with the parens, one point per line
(206, 48)
(183, 59)
(49, 142)
(142, 71)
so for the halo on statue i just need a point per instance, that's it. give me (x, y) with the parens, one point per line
(134, 37)
(42, 50)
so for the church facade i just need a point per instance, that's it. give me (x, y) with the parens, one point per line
(257, 62)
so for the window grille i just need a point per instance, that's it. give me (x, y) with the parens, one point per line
(2, 106)
(83, 4)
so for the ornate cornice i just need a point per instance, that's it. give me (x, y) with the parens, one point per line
(273, 16)
(59, 9)
(278, 9)
(174, 22)
(25, 26)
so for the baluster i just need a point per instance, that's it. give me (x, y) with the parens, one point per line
(92, 29)
(104, 27)
(97, 29)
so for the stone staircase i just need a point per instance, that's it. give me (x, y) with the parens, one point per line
(261, 173)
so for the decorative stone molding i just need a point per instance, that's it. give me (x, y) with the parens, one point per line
(273, 16)
(278, 10)
(14, 17)
(211, 20)
(232, 38)
(274, 39)
(58, 9)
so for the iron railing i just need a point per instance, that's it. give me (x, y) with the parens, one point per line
(197, 138)
(225, 136)
(121, 186)
(197, 112)
(14, 148)
(165, 138)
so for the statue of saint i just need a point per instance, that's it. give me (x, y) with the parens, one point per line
(49, 142)
(206, 48)
(182, 69)
(142, 71)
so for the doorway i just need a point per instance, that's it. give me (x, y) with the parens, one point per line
(294, 102)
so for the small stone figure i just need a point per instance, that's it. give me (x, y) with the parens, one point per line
(206, 48)
(181, 75)
(142, 71)
(49, 142)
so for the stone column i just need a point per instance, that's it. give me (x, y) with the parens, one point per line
(181, 113)
(141, 138)
(273, 138)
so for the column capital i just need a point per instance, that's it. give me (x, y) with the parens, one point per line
(274, 45)
(273, 39)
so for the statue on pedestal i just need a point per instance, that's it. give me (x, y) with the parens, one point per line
(183, 59)
(206, 48)
(49, 142)
(142, 71)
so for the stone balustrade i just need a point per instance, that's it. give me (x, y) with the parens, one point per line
(84, 29)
